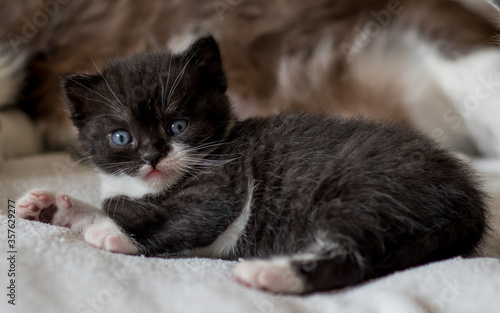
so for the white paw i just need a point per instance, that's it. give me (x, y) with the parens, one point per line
(41, 205)
(274, 275)
(107, 236)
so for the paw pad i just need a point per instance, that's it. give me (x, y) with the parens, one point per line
(64, 202)
(37, 206)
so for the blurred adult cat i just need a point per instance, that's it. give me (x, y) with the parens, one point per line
(410, 61)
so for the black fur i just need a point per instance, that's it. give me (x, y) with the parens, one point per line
(366, 199)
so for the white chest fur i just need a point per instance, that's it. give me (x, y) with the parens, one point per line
(123, 185)
(226, 242)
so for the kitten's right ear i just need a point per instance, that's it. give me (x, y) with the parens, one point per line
(205, 53)
(77, 90)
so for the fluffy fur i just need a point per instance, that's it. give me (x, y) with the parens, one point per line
(323, 202)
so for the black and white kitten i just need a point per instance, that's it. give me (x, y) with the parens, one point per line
(312, 203)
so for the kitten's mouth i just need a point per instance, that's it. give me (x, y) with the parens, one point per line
(155, 174)
(167, 171)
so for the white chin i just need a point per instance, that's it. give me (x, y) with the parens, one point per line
(158, 182)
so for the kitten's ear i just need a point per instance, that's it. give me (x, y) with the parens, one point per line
(77, 90)
(205, 53)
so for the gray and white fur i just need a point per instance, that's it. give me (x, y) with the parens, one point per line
(310, 202)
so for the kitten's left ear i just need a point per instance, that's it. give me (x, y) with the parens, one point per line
(205, 53)
(77, 90)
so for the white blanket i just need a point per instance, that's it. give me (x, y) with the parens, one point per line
(56, 271)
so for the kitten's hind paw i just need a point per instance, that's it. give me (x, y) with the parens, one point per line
(40, 205)
(275, 275)
(107, 236)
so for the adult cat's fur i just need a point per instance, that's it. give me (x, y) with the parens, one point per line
(384, 59)
(326, 202)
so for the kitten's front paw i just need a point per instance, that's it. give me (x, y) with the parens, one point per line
(270, 275)
(107, 236)
(41, 205)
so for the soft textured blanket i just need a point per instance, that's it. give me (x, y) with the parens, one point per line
(56, 271)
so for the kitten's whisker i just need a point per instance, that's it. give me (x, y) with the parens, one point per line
(109, 166)
(105, 115)
(163, 98)
(208, 161)
(119, 163)
(151, 95)
(116, 205)
(83, 159)
(178, 79)
(107, 103)
(120, 105)
(162, 92)
(203, 142)
(210, 145)
(96, 93)
(205, 146)
(123, 202)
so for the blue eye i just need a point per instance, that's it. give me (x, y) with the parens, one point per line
(177, 127)
(121, 137)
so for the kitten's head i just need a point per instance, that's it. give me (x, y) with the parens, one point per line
(151, 116)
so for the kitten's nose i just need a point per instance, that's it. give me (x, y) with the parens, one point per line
(151, 159)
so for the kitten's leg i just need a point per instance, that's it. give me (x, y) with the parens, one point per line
(275, 275)
(59, 209)
(300, 273)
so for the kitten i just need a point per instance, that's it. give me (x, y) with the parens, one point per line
(312, 203)
(407, 61)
